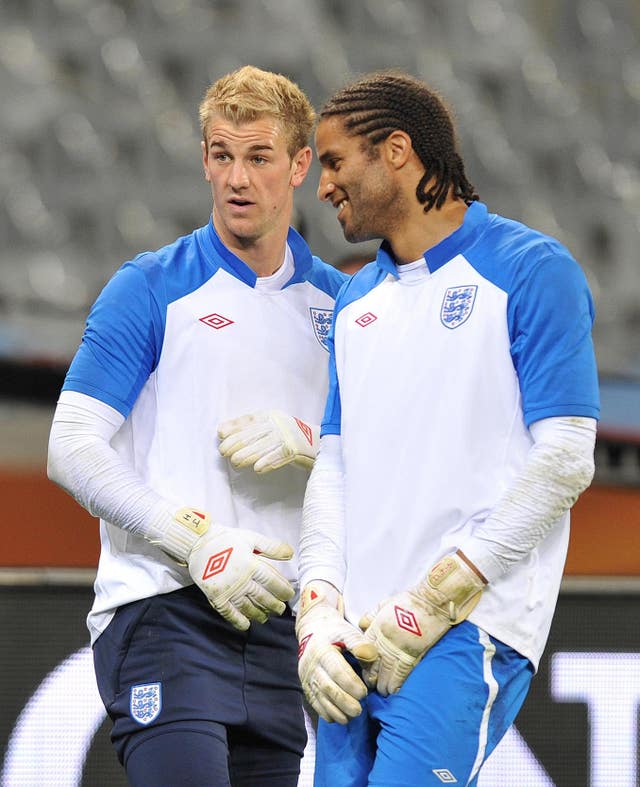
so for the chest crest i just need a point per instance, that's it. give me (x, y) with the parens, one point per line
(457, 305)
(321, 320)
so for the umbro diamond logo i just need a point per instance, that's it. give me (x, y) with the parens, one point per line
(216, 321)
(445, 776)
(305, 429)
(407, 620)
(217, 563)
(366, 319)
(303, 645)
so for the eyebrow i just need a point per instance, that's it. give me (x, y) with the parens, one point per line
(327, 155)
(259, 146)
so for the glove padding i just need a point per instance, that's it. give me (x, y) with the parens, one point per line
(230, 566)
(330, 684)
(406, 625)
(268, 440)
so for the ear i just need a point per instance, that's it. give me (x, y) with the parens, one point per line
(398, 148)
(300, 166)
(205, 159)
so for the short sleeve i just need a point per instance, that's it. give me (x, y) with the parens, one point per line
(551, 316)
(121, 343)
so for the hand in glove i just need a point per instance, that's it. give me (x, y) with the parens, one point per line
(331, 686)
(406, 625)
(230, 566)
(268, 440)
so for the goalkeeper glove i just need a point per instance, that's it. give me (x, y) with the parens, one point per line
(331, 686)
(406, 625)
(229, 566)
(268, 440)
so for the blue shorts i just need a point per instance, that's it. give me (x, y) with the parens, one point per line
(447, 718)
(174, 675)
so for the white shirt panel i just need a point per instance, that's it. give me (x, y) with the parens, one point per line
(403, 404)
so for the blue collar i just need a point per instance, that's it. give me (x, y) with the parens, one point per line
(438, 255)
(302, 258)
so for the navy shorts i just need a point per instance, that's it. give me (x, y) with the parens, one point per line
(170, 662)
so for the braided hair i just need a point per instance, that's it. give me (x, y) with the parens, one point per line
(385, 101)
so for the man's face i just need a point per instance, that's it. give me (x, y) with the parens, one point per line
(252, 178)
(358, 184)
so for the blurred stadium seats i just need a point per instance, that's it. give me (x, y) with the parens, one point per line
(100, 159)
(99, 140)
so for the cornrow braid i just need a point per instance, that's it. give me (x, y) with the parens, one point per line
(385, 101)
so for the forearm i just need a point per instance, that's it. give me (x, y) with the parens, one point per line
(322, 538)
(82, 461)
(559, 468)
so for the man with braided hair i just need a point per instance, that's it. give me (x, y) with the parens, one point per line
(218, 336)
(458, 432)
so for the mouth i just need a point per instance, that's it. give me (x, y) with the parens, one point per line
(240, 204)
(340, 206)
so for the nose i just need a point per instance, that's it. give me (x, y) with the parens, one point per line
(325, 187)
(238, 177)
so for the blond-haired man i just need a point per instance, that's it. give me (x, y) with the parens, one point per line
(218, 335)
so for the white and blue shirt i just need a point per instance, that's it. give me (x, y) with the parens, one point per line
(179, 340)
(436, 373)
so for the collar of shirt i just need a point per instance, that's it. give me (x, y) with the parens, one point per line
(448, 247)
(302, 259)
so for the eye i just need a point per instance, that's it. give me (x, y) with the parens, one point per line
(259, 160)
(221, 157)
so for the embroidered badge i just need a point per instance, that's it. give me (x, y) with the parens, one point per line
(457, 305)
(145, 702)
(321, 320)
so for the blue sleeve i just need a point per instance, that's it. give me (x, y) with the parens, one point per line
(121, 342)
(550, 321)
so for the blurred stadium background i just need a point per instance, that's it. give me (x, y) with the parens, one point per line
(99, 159)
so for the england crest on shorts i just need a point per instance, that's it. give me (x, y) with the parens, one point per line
(321, 320)
(145, 702)
(457, 305)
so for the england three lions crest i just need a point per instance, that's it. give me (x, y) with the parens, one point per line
(145, 702)
(321, 320)
(457, 305)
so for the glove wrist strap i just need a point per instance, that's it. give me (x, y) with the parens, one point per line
(181, 533)
(319, 591)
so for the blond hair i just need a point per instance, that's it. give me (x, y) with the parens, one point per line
(249, 93)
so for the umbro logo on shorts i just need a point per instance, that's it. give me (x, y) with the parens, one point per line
(216, 321)
(445, 776)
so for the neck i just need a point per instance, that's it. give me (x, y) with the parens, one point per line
(264, 255)
(422, 231)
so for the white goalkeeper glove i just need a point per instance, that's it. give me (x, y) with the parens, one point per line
(331, 686)
(229, 566)
(406, 625)
(267, 440)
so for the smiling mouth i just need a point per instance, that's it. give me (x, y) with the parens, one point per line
(341, 206)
